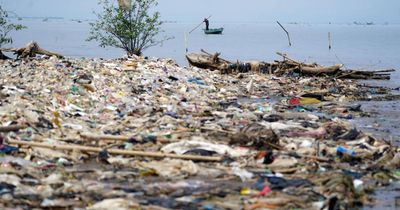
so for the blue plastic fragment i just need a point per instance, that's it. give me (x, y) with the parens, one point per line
(197, 81)
(342, 150)
(208, 207)
(7, 149)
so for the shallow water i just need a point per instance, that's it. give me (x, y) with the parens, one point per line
(383, 122)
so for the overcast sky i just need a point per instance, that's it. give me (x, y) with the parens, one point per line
(378, 11)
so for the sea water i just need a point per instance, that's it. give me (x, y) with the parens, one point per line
(356, 46)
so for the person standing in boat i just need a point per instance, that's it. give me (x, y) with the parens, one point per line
(207, 23)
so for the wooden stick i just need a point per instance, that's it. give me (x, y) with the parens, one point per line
(374, 86)
(114, 151)
(277, 147)
(382, 70)
(287, 33)
(329, 40)
(199, 25)
(104, 137)
(322, 159)
(203, 51)
(345, 74)
(186, 41)
(93, 137)
(12, 128)
(287, 58)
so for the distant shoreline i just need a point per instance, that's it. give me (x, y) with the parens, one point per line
(361, 23)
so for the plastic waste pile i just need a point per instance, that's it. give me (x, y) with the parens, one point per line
(148, 134)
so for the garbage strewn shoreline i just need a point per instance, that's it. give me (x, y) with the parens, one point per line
(275, 142)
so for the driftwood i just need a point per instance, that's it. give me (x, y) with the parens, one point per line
(12, 128)
(309, 68)
(289, 64)
(357, 74)
(214, 62)
(30, 50)
(305, 68)
(320, 69)
(113, 151)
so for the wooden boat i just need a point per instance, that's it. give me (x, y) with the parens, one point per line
(213, 31)
(205, 61)
(320, 69)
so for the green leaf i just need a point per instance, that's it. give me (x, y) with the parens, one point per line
(6, 28)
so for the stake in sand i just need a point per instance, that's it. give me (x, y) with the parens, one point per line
(287, 33)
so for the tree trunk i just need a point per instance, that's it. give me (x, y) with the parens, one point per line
(30, 50)
(136, 52)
